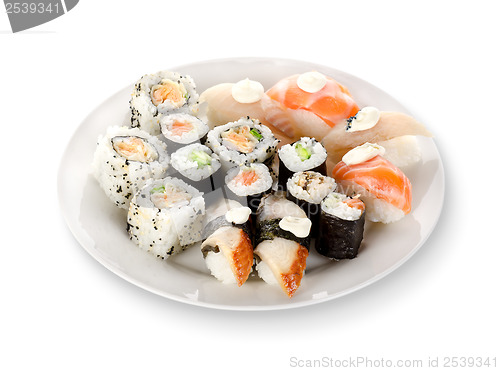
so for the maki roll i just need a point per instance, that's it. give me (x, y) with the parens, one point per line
(242, 142)
(199, 167)
(249, 183)
(307, 154)
(227, 246)
(308, 189)
(383, 187)
(166, 216)
(180, 129)
(341, 226)
(161, 93)
(124, 159)
(282, 242)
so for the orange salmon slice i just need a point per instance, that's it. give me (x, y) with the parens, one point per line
(379, 177)
(333, 103)
(246, 177)
(178, 128)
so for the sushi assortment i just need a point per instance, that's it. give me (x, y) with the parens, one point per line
(256, 179)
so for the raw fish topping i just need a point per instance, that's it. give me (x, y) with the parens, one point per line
(333, 103)
(381, 178)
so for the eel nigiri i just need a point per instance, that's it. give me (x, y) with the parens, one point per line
(384, 188)
(282, 242)
(227, 247)
(308, 104)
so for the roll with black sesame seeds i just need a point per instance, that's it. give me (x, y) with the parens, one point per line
(164, 92)
(124, 159)
(242, 142)
(166, 216)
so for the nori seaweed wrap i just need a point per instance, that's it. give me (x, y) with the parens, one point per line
(247, 184)
(307, 189)
(306, 154)
(282, 242)
(198, 166)
(341, 226)
(227, 245)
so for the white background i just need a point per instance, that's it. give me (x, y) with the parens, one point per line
(61, 310)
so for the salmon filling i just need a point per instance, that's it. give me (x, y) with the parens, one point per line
(134, 149)
(355, 203)
(242, 138)
(179, 128)
(169, 90)
(246, 177)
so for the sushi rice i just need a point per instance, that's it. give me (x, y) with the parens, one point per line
(310, 186)
(161, 93)
(251, 179)
(182, 128)
(305, 154)
(166, 216)
(124, 159)
(227, 244)
(242, 142)
(195, 161)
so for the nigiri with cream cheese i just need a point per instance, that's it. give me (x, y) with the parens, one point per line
(384, 188)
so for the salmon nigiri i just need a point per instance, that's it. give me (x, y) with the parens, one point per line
(308, 104)
(383, 187)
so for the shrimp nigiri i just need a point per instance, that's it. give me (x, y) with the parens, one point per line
(308, 104)
(383, 187)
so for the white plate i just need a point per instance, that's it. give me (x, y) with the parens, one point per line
(100, 227)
